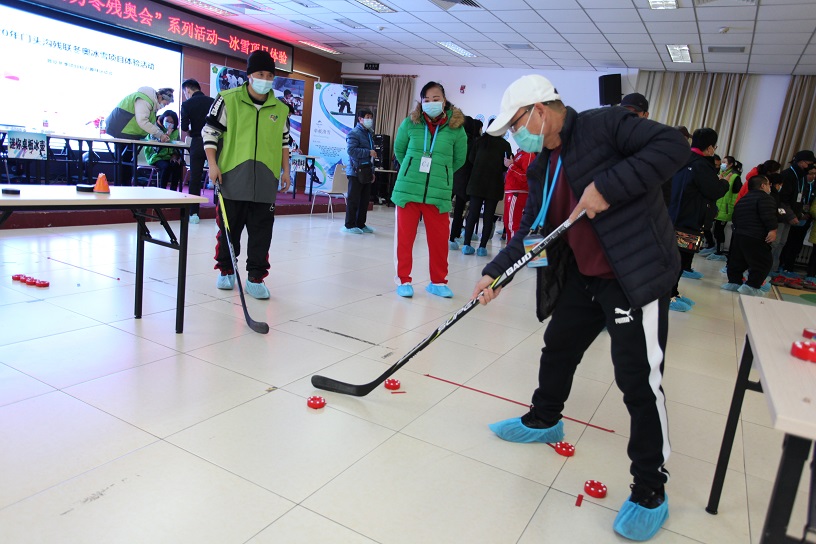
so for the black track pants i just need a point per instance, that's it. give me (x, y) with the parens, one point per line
(638, 335)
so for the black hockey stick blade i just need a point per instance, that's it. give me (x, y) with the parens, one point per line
(336, 386)
(257, 326)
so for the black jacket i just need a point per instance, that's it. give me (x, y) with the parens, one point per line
(705, 186)
(193, 113)
(794, 183)
(462, 176)
(487, 178)
(628, 158)
(755, 215)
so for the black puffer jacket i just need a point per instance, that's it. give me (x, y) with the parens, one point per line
(628, 158)
(755, 215)
(705, 187)
(487, 156)
(794, 184)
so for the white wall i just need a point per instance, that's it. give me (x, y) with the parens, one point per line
(484, 86)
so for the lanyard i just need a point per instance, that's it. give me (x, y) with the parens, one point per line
(546, 204)
(433, 141)
(800, 184)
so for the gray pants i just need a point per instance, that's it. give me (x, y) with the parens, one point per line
(782, 230)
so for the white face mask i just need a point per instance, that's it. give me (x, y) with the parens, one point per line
(368, 123)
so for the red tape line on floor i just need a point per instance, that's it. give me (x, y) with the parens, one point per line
(515, 402)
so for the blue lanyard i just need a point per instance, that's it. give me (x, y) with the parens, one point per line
(546, 204)
(433, 141)
(800, 184)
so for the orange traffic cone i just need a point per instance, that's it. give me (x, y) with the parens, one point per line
(101, 184)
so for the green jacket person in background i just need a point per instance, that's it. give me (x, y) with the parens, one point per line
(246, 140)
(133, 119)
(430, 146)
(730, 170)
(166, 159)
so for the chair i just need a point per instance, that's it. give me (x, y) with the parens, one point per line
(338, 188)
(143, 166)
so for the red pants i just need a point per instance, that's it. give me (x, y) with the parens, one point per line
(437, 227)
(513, 208)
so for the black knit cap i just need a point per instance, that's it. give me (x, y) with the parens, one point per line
(259, 61)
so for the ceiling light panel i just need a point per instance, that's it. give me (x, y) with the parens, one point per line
(679, 53)
(663, 4)
(351, 24)
(307, 24)
(379, 7)
(456, 49)
(320, 47)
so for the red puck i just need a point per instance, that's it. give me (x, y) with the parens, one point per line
(392, 383)
(564, 448)
(809, 333)
(805, 351)
(31, 281)
(316, 402)
(18, 277)
(594, 488)
(42, 283)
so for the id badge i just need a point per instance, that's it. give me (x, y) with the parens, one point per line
(530, 241)
(425, 165)
(798, 197)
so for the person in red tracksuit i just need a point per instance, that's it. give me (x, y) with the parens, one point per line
(515, 191)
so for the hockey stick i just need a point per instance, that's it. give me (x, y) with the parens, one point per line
(329, 384)
(257, 326)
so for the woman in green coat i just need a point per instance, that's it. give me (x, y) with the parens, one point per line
(430, 146)
(730, 170)
(166, 159)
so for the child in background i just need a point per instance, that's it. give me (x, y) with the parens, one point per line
(515, 191)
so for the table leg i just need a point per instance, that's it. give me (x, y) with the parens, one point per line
(795, 451)
(184, 213)
(134, 165)
(140, 253)
(731, 425)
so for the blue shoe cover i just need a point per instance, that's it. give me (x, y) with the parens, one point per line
(453, 245)
(716, 257)
(730, 286)
(724, 270)
(692, 274)
(636, 522)
(513, 430)
(226, 282)
(405, 290)
(708, 251)
(677, 305)
(367, 230)
(686, 300)
(765, 287)
(353, 230)
(481, 252)
(468, 250)
(746, 289)
(257, 290)
(440, 290)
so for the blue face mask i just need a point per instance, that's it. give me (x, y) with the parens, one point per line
(368, 123)
(261, 86)
(531, 143)
(432, 109)
(168, 125)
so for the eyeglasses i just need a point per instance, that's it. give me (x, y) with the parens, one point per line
(519, 118)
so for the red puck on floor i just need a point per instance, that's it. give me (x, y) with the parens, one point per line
(316, 402)
(809, 333)
(392, 383)
(31, 281)
(594, 488)
(42, 283)
(564, 448)
(804, 350)
(18, 277)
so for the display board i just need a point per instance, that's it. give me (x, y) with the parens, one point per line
(334, 108)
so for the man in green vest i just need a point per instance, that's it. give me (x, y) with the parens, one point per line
(133, 119)
(246, 140)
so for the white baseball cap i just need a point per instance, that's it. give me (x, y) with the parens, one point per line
(525, 91)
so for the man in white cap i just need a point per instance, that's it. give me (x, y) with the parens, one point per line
(614, 270)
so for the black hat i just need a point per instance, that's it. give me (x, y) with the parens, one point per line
(636, 101)
(804, 155)
(260, 61)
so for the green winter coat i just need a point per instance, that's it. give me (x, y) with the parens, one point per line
(154, 154)
(725, 205)
(449, 154)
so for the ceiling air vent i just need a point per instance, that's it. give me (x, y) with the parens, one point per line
(725, 49)
(335, 45)
(448, 4)
(525, 46)
(715, 2)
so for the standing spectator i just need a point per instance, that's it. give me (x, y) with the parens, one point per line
(810, 276)
(768, 167)
(360, 147)
(473, 129)
(166, 159)
(710, 214)
(194, 111)
(795, 190)
(754, 228)
(133, 119)
(693, 187)
(636, 103)
(612, 271)
(430, 146)
(515, 191)
(730, 171)
(801, 208)
(485, 187)
(251, 124)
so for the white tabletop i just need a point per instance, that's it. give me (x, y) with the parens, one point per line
(35, 196)
(111, 139)
(789, 383)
